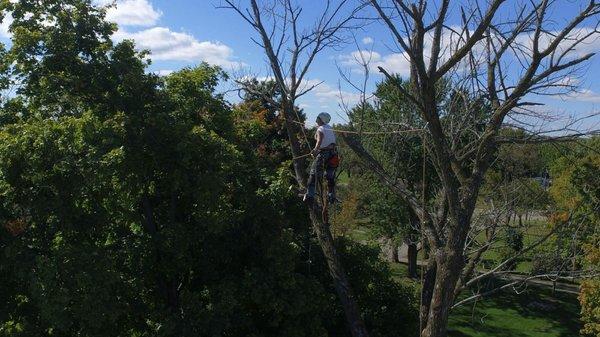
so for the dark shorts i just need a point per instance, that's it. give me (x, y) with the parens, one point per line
(322, 161)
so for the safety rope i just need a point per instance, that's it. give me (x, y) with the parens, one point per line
(423, 201)
(372, 132)
(297, 121)
(353, 132)
(303, 156)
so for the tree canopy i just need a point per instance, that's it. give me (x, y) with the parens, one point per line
(135, 205)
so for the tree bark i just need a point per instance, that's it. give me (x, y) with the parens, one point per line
(412, 245)
(427, 284)
(448, 270)
(412, 260)
(338, 274)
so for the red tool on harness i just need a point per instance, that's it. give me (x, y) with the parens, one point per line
(334, 161)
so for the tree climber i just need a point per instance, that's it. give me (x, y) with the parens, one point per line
(325, 155)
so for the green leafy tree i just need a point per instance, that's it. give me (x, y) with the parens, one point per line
(400, 151)
(62, 55)
(130, 205)
(586, 179)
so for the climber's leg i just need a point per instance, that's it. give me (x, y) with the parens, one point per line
(330, 176)
(316, 170)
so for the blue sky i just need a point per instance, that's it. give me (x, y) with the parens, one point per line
(183, 33)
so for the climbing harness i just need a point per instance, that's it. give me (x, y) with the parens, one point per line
(334, 161)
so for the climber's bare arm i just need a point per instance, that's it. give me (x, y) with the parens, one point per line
(318, 145)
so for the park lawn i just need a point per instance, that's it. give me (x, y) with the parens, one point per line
(535, 229)
(534, 313)
(400, 275)
(362, 233)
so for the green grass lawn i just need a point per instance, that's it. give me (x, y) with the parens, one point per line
(534, 229)
(535, 313)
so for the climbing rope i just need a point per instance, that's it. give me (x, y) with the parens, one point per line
(303, 156)
(354, 132)
(370, 132)
(423, 201)
(297, 121)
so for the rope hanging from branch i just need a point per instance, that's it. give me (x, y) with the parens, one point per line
(357, 133)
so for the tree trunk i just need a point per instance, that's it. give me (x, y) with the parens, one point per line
(427, 284)
(389, 249)
(448, 270)
(292, 131)
(412, 260)
(412, 245)
(425, 250)
(337, 272)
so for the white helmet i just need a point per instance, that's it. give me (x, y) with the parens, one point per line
(324, 117)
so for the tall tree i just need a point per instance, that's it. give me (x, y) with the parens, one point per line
(133, 207)
(113, 220)
(575, 191)
(290, 48)
(475, 56)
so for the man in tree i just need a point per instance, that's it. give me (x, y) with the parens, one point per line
(325, 156)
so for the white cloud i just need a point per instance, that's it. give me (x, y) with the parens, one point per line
(397, 63)
(132, 12)
(367, 40)
(583, 95)
(394, 63)
(164, 72)
(451, 42)
(165, 44)
(325, 93)
(568, 81)
(5, 25)
(125, 13)
(589, 36)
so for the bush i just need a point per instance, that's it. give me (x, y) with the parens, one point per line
(544, 263)
(513, 244)
(390, 309)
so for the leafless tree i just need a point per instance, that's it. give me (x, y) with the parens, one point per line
(504, 55)
(291, 47)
